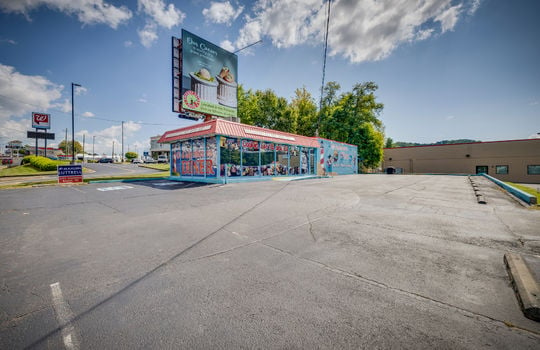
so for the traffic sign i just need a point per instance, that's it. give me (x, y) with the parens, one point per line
(41, 120)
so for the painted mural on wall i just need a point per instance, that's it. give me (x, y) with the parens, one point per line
(337, 158)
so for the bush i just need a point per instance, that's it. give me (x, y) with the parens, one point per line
(42, 163)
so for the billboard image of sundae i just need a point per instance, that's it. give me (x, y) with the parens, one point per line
(208, 78)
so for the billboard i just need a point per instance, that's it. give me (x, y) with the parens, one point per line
(337, 158)
(204, 77)
(41, 120)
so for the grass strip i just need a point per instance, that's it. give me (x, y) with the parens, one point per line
(528, 190)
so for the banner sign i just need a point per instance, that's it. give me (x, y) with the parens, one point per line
(40, 135)
(209, 75)
(70, 174)
(41, 120)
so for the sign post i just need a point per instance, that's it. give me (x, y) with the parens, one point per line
(41, 121)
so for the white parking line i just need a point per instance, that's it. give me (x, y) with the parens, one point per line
(165, 183)
(114, 188)
(64, 315)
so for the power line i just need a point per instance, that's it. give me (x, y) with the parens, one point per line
(324, 64)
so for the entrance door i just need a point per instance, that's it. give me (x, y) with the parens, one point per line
(481, 169)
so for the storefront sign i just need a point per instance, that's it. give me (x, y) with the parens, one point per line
(268, 134)
(41, 120)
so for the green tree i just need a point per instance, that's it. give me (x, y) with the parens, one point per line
(389, 143)
(305, 109)
(353, 118)
(131, 155)
(63, 144)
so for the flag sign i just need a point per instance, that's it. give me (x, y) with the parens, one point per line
(41, 120)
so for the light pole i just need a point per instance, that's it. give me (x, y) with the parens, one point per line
(73, 124)
(112, 154)
(122, 157)
(93, 143)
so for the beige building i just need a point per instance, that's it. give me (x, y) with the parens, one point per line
(512, 160)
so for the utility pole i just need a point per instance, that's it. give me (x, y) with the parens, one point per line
(112, 155)
(73, 124)
(93, 143)
(122, 141)
(83, 147)
(66, 144)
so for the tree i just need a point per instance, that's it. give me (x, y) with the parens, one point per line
(62, 146)
(131, 155)
(353, 118)
(389, 143)
(305, 109)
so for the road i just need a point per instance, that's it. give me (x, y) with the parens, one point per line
(365, 261)
(97, 170)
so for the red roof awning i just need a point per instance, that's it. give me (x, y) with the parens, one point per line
(228, 128)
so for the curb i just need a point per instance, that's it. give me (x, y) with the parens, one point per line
(524, 285)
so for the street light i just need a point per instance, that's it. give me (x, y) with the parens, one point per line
(93, 143)
(73, 125)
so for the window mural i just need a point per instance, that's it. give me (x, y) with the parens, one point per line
(230, 156)
(250, 158)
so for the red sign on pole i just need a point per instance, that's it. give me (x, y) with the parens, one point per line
(41, 120)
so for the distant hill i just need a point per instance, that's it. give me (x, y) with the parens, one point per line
(443, 142)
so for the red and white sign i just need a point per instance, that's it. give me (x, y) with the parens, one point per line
(41, 120)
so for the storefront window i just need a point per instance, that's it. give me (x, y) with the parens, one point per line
(250, 158)
(501, 169)
(312, 161)
(176, 159)
(197, 154)
(230, 156)
(186, 158)
(282, 160)
(294, 160)
(304, 160)
(267, 159)
(211, 163)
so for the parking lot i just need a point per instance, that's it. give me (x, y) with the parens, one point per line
(363, 261)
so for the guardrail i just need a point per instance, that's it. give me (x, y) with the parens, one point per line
(527, 198)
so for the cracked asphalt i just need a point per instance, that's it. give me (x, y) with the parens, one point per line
(364, 261)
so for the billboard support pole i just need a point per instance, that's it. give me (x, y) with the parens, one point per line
(45, 150)
(36, 143)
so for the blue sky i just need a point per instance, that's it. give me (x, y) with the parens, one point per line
(446, 69)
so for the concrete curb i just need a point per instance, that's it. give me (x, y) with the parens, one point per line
(524, 284)
(527, 198)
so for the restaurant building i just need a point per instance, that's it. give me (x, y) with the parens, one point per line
(223, 151)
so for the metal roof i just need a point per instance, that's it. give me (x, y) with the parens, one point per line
(228, 128)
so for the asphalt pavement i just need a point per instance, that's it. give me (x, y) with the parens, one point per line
(96, 170)
(364, 261)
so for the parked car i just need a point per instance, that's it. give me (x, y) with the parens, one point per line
(150, 160)
(136, 161)
(105, 160)
(162, 159)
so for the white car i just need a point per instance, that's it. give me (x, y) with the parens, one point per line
(162, 159)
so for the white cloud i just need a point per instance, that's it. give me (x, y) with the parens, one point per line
(128, 43)
(227, 45)
(64, 106)
(88, 114)
(87, 11)
(475, 5)
(22, 94)
(165, 16)
(148, 34)
(449, 18)
(359, 30)
(222, 12)
(79, 90)
(8, 41)
(535, 136)
(160, 15)
(104, 138)
(14, 130)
